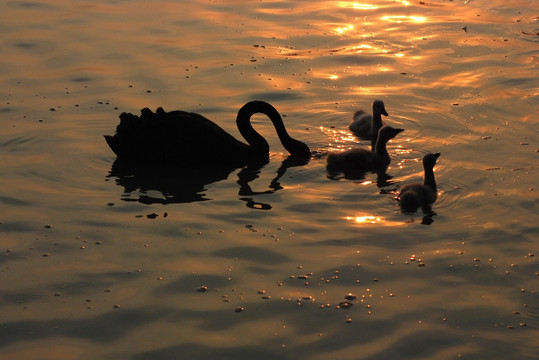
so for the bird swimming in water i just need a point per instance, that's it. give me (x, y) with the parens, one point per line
(412, 196)
(362, 159)
(366, 126)
(191, 139)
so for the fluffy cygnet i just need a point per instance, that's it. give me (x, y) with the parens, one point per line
(412, 196)
(363, 159)
(367, 126)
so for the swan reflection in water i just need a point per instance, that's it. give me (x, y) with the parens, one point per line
(178, 153)
(150, 184)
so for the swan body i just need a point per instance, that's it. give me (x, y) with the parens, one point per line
(412, 196)
(189, 138)
(366, 126)
(363, 159)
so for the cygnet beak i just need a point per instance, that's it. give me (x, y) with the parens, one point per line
(384, 112)
(436, 155)
(398, 131)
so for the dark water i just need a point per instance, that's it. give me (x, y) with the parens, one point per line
(100, 265)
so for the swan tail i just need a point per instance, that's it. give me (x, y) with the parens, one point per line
(112, 144)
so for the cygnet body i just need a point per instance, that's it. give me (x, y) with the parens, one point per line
(366, 126)
(412, 196)
(363, 159)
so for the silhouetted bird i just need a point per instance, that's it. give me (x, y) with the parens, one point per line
(191, 139)
(366, 126)
(363, 159)
(412, 196)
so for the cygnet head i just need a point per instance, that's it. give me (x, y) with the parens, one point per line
(387, 133)
(378, 107)
(429, 160)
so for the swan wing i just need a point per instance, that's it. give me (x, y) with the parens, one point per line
(175, 136)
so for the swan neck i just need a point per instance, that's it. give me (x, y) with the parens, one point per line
(380, 148)
(255, 140)
(429, 178)
(376, 120)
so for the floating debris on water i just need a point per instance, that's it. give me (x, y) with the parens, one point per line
(344, 305)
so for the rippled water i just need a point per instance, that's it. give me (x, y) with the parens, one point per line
(102, 264)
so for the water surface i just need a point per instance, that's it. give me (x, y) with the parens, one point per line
(104, 266)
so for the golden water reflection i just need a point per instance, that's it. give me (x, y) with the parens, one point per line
(357, 6)
(363, 219)
(404, 18)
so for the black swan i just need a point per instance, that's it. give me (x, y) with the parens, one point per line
(362, 159)
(412, 196)
(190, 139)
(366, 126)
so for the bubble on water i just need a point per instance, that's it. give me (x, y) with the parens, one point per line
(239, 309)
(202, 288)
(344, 305)
(350, 296)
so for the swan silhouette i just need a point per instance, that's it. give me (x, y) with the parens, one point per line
(412, 196)
(191, 139)
(366, 126)
(360, 159)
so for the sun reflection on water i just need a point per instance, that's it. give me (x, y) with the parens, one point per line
(362, 219)
(404, 18)
(343, 29)
(357, 6)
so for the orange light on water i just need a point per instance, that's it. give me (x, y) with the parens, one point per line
(404, 18)
(366, 219)
(357, 6)
(344, 29)
(369, 219)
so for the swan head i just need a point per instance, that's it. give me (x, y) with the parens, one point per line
(297, 148)
(387, 133)
(379, 108)
(429, 160)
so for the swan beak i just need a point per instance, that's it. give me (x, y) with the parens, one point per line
(384, 112)
(398, 131)
(436, 155)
